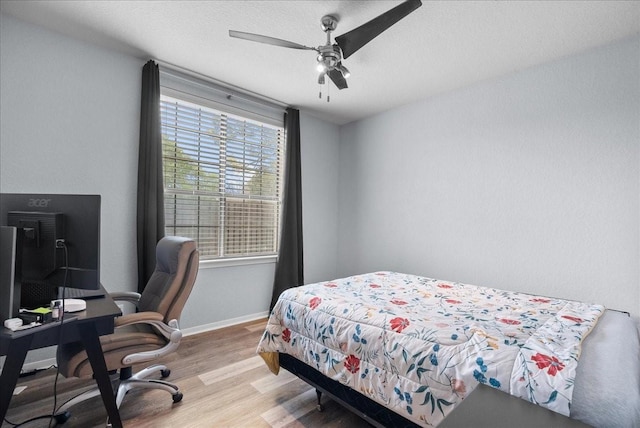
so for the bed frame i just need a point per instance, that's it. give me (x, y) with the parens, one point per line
(484, 407)
(367, 409)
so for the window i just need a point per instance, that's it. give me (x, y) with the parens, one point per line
(222, 178)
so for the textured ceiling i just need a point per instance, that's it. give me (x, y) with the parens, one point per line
(442, 46)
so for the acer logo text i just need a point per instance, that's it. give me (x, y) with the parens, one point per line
(40, 203)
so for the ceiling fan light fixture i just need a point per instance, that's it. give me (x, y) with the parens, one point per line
(344, 70)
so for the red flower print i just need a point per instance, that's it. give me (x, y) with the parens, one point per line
(458, 387)
(453, 302)
(352, 363)
(509, 322)
(539, 300)
(543, 361)
(398, 302)
(313, 303)
(374, 286)
(574, 319)
(399, 324)
(331, 285)
(445, 286)
(286, 335)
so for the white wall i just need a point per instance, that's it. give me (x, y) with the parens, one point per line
(69, 123)
(530, 182)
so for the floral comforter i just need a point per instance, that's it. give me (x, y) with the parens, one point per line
(419, 346)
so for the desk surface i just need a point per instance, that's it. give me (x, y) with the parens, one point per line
(100, 311)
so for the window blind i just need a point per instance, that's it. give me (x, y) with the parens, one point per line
(223, 178)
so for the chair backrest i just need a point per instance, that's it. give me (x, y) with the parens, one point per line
(170, 284)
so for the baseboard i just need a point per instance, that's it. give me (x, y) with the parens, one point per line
(38, 365)
(224, 323)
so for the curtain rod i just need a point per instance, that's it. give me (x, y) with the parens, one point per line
(235, 90)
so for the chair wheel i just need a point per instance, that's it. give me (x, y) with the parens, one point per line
(177, 397)
(165, 373)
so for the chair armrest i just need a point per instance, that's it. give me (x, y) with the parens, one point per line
(125, 296)
(170, 331)
(139, 317)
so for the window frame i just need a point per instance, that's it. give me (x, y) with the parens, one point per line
(209, 94)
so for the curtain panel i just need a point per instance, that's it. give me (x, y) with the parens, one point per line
(150, 205)
(289, 267)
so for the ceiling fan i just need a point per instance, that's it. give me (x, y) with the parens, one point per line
(330, 55)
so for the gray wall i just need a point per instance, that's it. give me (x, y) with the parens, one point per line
(69, 123)
(529, 182)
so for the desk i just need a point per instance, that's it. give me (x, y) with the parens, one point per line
(85, 327)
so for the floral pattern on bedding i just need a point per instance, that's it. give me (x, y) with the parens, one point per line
(419, 346)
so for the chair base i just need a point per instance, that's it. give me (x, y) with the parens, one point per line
(122, 384)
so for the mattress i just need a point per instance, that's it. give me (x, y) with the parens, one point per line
(607, 385)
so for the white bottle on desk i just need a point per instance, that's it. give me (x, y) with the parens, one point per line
(55, 309)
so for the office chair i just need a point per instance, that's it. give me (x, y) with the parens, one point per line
(146, 335)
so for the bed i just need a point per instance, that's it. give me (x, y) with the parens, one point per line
(406, 350)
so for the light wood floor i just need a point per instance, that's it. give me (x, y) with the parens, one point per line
(225, 384)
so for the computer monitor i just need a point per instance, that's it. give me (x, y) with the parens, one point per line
(9, 272)
(60, 239)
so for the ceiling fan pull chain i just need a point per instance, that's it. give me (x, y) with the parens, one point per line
(321, 83)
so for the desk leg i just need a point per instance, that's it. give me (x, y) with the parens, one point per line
(91, 343)
(11, 371)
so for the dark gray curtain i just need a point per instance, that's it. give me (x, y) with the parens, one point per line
(150, 212)
(289, 268)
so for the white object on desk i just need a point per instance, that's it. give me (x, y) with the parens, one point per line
(13, 323)
(70, 305)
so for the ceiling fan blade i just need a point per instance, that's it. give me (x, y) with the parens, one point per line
(268, 40)
(353, 40)
(338, 79)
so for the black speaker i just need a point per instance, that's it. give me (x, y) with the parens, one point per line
(34, 295)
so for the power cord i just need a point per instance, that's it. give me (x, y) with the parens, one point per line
(59, 418)
(27, 421)
(60, 244)
(53, 416)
